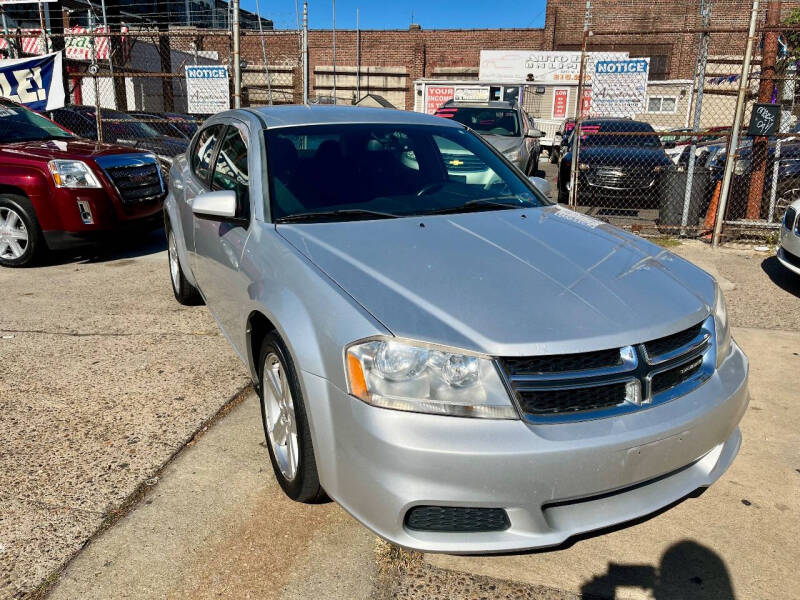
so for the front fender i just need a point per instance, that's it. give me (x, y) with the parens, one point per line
(172, 221)
(33, 183)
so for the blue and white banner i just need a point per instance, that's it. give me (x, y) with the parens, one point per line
(38, 82)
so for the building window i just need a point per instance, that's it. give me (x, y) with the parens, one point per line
(662, 104)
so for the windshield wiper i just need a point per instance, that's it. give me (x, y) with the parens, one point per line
(334, 215)
(476, 205)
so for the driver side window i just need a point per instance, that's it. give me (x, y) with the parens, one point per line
(230, 170)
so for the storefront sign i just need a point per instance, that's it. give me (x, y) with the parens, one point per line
(471, 94)
(539, 66)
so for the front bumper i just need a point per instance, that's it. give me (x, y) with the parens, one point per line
(789, 260)
(61, 240)
(554, 481)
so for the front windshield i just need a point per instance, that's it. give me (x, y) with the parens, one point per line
(618, 133)
(389, 170)
(19, 124)
(491, 121)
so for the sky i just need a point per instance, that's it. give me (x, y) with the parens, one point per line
(396, 14)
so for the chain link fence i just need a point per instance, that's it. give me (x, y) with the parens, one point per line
(649, 152)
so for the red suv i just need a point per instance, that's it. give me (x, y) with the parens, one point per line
(58, 190)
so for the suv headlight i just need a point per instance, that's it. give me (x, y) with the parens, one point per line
(722, 328)
(418, 378)
(72, 174)
(512, 155)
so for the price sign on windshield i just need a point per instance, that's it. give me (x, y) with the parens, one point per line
(764, 120)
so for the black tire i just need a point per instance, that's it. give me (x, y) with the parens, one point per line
(185, 292)
(563, 197)
(24, 222)
(304, 486)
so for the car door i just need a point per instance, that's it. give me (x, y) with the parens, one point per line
(197, 181)
(219, 243)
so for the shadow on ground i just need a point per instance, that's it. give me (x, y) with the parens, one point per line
(781, 276)
(126, 246)
(687, 571)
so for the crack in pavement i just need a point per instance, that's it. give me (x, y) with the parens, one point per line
(110, 334)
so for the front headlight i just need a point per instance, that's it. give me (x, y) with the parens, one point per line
(513, 155)
(418, 378)
(741, 166)
(722, 328)
(72, 174)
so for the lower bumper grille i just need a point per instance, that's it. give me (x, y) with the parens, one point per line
(457, 519)
(791, 258)
(603, 383)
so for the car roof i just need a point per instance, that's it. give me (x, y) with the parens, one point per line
(302, 114)
(477, 104)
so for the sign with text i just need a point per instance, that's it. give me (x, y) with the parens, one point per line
(539, 66)
(471, 94)
(560, 102)
(207, 89)
(619, 87)
(764, 120)
(436, 95)
(35, 82)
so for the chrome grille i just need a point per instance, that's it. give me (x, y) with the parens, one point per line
(597, 384)
(621, 179)
(136, 177)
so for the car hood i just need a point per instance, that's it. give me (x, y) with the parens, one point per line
(78, 148)
(622, 156)
(503, 143)
(509, 283)
(163, 146)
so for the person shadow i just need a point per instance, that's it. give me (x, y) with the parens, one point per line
(686, 571)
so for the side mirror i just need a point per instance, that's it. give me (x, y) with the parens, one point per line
(535, 133)
(542, 185)
(220, 205)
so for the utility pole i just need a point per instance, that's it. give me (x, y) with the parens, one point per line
(264, 51)
(576, 134)
(737, 121)
(765, 89)
(333, 26)
(699, 86)
(358, 57)
(237, 61)
(44, 29)
(305, 52)
(164, 53)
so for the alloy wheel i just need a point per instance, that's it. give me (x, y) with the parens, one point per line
(280, 416)
(13, 234)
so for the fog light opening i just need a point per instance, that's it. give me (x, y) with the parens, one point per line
(86, 212)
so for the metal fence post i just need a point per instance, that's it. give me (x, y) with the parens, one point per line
(305, 52)
(700, 78)
(737, 119)
(576, 132)
(264, 51)
(237, 62)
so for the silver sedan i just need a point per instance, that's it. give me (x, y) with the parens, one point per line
(789, 248)
(462, 365)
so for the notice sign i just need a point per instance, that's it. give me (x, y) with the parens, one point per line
(619, 87)
(560, 103)
(764, 120)
(435, 96)
(207, 89)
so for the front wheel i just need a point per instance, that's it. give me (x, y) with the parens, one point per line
(21, 241)
(185, 292)
(283, 416)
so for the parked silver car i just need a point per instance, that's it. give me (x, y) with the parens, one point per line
(789, 248)
(463, 366)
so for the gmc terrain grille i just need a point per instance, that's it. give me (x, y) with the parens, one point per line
(559, 363)
(564, 387)
(457, 519)
(550, 402)
(137, 184)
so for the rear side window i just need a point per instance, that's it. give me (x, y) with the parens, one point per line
(230, 170)
(203, 151)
